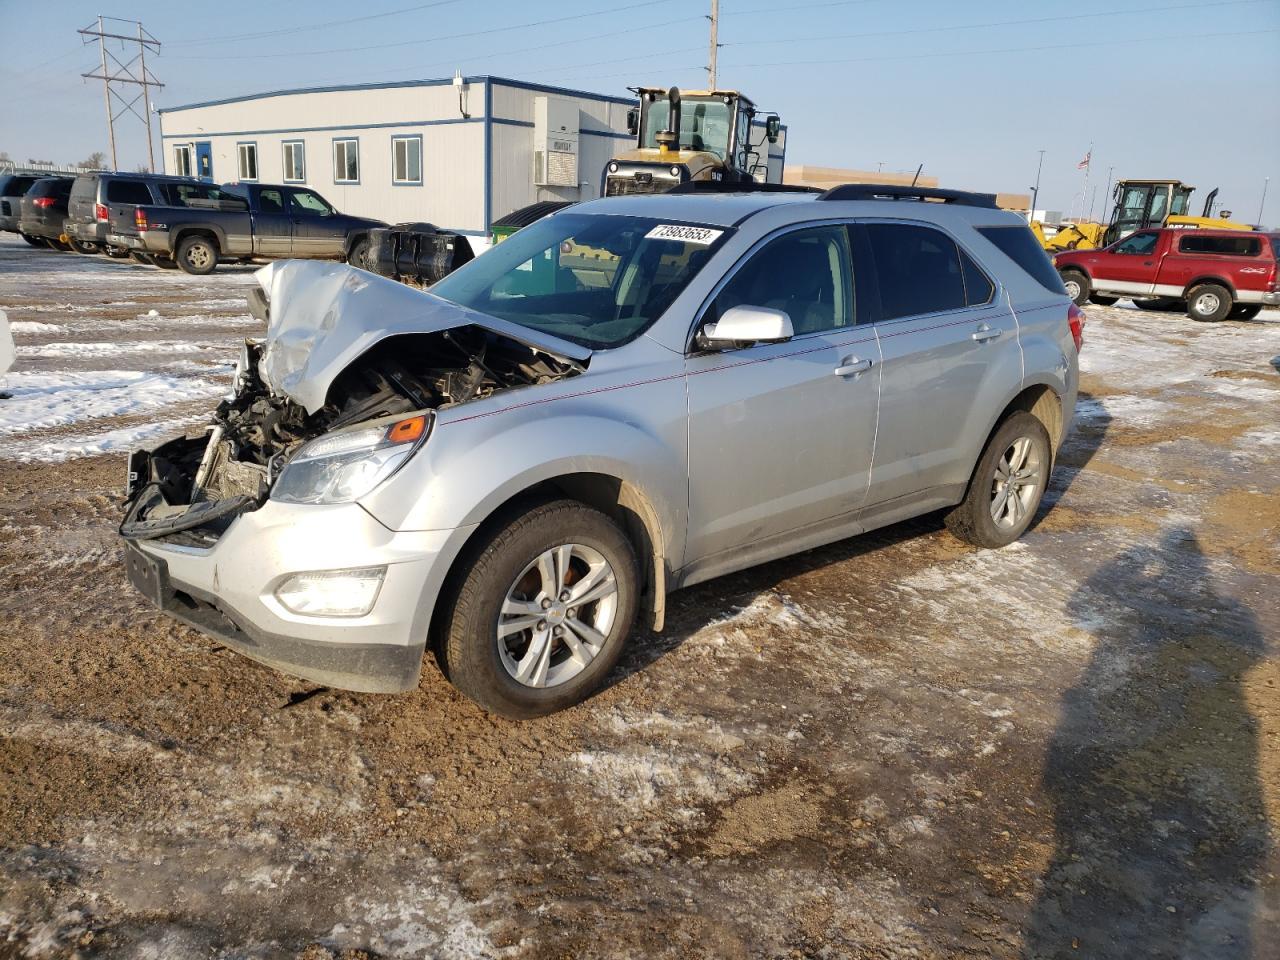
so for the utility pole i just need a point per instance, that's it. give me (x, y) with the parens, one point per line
(715, 45)
(1035, 191)
(1262, 203)
(122, 72)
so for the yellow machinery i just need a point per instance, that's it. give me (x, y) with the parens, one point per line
(1139, 204)
(699, 135)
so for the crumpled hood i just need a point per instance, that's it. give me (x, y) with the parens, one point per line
(323, 316)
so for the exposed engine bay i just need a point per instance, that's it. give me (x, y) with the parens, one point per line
(196, 484)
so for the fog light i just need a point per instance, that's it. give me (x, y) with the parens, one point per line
(332, 593)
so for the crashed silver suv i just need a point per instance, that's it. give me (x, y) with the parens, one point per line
(625, 398)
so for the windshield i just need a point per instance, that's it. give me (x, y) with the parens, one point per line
(704, 124)
(600, 281)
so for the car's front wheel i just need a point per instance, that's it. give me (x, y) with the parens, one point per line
(541, 612)
(79, 246)
(1007, 484)
(1077, 285)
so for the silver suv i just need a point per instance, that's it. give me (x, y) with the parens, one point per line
(628, 397)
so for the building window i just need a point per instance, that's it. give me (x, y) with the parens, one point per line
(248, 153)
(182, 159)
(406, 160)
(346, 161)
(295, 161)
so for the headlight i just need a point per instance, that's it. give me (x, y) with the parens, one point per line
(342, 467)
(332, 593)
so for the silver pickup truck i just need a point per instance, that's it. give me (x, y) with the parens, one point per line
(247, 221)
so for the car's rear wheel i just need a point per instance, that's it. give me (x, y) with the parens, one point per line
(79, 246)
(542, 611)
(56, 244)
(1164, 304)
(117, 253)
(197, 255)
(1102, 300)
(1077, 285)
(34, 241)
(137, 256)
(163, 262)
(1244, 311)
(1209, 303)
(1007, 484)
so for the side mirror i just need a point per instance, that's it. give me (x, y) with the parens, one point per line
(772, 127)
(746, 324)
(633, 121)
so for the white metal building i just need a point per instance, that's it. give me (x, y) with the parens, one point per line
(455, 153)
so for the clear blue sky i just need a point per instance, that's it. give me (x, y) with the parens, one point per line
(971, 89)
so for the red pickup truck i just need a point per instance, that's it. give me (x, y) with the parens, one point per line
(1214, 274)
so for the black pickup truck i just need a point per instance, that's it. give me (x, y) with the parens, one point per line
(248, 221)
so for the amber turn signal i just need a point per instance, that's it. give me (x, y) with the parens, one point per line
(407, 431)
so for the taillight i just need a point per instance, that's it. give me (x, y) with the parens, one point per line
(1075, 318)
(42, 202)
(140, 218)
(100, 212)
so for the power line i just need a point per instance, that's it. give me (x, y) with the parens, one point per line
(971, 53)
(417, 42)
(993, 23)
(314, 26)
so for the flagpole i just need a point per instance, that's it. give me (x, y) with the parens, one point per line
(1084, 194)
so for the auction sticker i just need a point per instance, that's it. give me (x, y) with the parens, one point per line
(704, 236)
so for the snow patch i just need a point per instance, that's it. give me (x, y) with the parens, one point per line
(107, 348)
(35, 326)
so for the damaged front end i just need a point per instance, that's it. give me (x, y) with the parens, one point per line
(338, 395)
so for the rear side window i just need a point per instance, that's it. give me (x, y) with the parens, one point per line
(50, 188)
(978, 288)
(918, 270)
(177, 194)
(128, 191)
(1220, 246)
(1020, 245)
(17, 186)
(86, 187)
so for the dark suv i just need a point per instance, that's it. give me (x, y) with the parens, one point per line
(12, 187)
(102, 204)
(44, 208)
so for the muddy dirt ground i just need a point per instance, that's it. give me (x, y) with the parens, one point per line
(896, 746)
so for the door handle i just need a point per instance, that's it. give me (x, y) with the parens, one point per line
(851, 367)
(985, 333)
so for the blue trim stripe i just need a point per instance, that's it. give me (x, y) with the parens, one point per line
(330, 129)
(391, 85)
(488, 155)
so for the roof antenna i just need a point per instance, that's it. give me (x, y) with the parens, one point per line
(917, 176)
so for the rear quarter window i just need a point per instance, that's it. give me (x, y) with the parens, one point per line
(85, 188)
(1220, 246)
(1020, 245)
(128, 191)
(17, 186)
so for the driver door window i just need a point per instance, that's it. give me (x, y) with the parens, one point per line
(806, 274)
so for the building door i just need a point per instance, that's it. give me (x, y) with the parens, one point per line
(204, 160)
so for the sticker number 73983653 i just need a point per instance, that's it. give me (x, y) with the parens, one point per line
(704, 236)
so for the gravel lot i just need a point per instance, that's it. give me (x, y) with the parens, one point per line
(891, 747)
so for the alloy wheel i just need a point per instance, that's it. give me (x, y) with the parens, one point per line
(1016, 482)
(557, 615)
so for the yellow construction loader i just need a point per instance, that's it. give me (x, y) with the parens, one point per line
(697, 135)
(1139, 204)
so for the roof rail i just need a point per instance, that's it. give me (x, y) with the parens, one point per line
(744, 186)
(881, 191)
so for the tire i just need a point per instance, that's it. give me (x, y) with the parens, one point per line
(1077, 285)
(1209, 303)
(972, 519)
(1165, 304)
(88, 249)
(1101, 300)
(117, 253)
(34, 241)
(360, 254)
(197, 255)
(143, 258)
(163, 262)
(504, 570)
(1244, 311)
(56, 244)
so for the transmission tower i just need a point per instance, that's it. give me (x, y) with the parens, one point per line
(117, 75)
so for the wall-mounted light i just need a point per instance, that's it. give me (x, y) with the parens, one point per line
(463, 89)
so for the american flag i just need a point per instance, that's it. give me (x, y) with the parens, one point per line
(1084, 164)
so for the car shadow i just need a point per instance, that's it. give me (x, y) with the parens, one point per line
(1153, 770)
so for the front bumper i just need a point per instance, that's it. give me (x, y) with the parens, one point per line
(1271, 299)
(227, 590)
